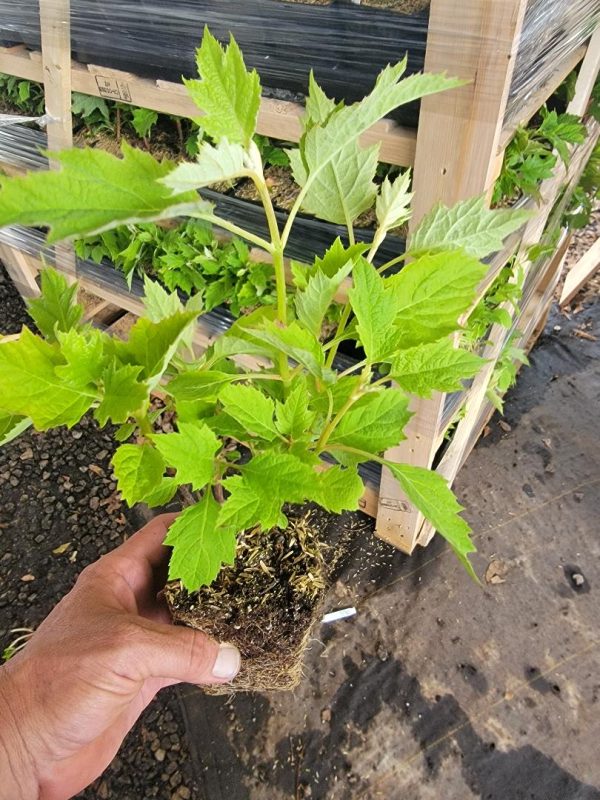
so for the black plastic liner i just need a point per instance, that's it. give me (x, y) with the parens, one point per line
(310, 237)
(345, 44)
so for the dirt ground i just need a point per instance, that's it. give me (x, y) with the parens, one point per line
(437, 688)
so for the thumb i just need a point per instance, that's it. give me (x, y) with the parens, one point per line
(183, 655)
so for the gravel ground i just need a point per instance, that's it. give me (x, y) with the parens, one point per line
(58, 513)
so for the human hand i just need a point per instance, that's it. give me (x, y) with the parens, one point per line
(70, 697)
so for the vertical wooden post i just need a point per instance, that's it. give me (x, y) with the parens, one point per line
(456, 158)
(55, 24)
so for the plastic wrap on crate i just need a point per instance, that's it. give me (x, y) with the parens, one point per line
(552, 31)
(346, 43)
(310, 237)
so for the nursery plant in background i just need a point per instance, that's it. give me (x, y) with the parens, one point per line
(530, 157)
(263, 421)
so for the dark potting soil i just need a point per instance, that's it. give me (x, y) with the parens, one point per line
(59, 511)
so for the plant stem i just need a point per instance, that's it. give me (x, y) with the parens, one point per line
(277, 249)
(229, 226)
(392, 263)
(340, 330)
(354, 450)
(380, 235)
(144, 425)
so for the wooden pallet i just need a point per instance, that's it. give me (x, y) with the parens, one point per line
(456, 152)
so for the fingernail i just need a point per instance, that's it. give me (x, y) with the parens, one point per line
(228, 662)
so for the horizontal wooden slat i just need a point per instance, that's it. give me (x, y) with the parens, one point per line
(278, 119)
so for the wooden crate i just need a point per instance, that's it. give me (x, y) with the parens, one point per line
(456, 153)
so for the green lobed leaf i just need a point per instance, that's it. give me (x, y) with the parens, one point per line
(123, 394)
(340, 489)
(297, 343)
(318, 106)
(56, 308)
(322, 144)
(252, 409)
(337, 256)
(158, 303)
(215, 163)
(431, 293)
(152, 345)
(344, 189)
(198, 385)
(143, 120)
(374, 423)
(294, 417)
(228, 94)
(191, 452)
(376, 309)
(93, 191)
(430, 493)
(11, 426)
(139, 470)
(200, 545)
(83, 352)
(393, 201)
(163, 493)
(31, 387)
(312, 303)
(266, 483)
(438, 366)
(469, 225)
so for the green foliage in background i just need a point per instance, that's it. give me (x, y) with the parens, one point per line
(189, 257)
(533, 153)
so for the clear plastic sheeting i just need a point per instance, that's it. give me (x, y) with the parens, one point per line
(7, 120)
(552, 31)
(345, 43)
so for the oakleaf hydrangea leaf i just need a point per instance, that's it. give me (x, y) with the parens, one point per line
(294, 417)
(431, 293)
(93, 191)
(215, 163)
(139, 471)
(198, 385)
(313, 302)
(152, 345)
(252, 409)
(322, 144)
(374, 423)
(227, 93)
(376, 309)
(266, 483)
(393, 201)
(200, 545)
(191, 452)
(11, 426)
(438, 366)
(337, 256)
(123, 394)
(56, 308)
(469, 226)
(340, 489)
(430, 493)
(83, 352)
(31, 387)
